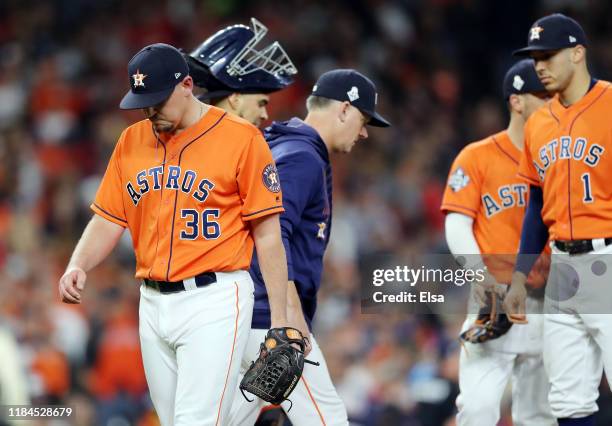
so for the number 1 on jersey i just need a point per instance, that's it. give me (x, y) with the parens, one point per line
(586, 181)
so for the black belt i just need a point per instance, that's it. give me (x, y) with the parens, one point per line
(165, 287)
(578, 246)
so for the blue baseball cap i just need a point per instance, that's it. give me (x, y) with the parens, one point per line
(522, 78)
(553, 32)
(353, 87)
(153, 72)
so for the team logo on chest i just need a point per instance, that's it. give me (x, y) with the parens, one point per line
(270, 178)
(567, 148)
(507, 196)
(174, 178)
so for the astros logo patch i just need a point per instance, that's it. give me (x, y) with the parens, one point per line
(270, 178)
(534, 33)
(139, 79)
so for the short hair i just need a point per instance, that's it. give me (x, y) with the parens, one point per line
(215, 101)
(317, 102)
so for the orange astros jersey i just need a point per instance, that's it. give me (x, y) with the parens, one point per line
(484, 185)
(188, 201)
(566, 153)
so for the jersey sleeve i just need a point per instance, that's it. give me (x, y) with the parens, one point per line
(527, 170)
(109, 201)
(300, 175)
(463, 188)
(258, 181)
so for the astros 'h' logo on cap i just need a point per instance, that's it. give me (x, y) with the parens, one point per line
(535, 33)
(138, 79)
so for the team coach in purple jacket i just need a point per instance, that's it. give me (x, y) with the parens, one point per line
(340, 106)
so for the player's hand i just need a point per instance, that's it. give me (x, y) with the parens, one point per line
(514, 303)
(72, 284)
(480, 289)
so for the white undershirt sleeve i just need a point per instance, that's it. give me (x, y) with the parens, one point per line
(460, 238)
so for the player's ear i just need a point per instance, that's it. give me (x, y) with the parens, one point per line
(515, 103)
(578, 54)
(234, 100)
(187, 85)
(343, 111)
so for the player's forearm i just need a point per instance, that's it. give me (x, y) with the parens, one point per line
(98, 240)
(295, 315)
(534, 234)
(461, 240)
(273, 265)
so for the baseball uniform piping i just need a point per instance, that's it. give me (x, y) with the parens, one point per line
(313, 401)
(176, 193)
(231, 354)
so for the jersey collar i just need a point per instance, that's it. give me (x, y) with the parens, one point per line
(504, 143)
(594, 91)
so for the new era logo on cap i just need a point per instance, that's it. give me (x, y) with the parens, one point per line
(572, 39)
(353, 94)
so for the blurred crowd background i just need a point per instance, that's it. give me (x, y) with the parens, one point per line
(438, 65)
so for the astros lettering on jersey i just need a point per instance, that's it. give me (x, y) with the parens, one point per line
(484, 185)
(196, 191)
(566, 153)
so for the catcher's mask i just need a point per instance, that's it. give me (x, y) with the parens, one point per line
(230, 62)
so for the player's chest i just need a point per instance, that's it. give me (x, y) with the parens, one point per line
(502, 189)
(571, 140)
(193, 174)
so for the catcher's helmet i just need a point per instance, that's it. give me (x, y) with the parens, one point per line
(229, 62)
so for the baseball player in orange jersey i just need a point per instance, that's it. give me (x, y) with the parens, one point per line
(484, 203)
(198, 190)
(236, 74)
(567, 161)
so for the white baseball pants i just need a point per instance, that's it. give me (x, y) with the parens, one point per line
(192, 343)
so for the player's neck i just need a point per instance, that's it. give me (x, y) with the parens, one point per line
(515, 131)
(320, 122)
(195, 111)
(578, 87)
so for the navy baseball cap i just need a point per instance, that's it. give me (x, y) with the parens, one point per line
(353, 87)
(522, 78)
(553, 32)
(154, 72)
